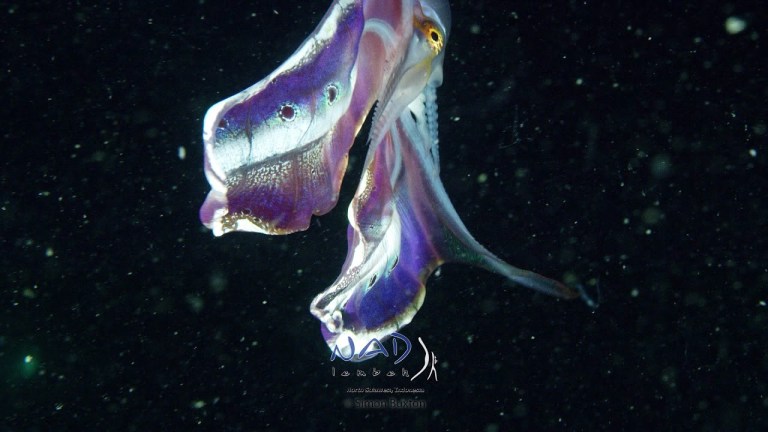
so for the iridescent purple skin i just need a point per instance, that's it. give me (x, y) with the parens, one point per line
(399, 287)
(402, 227)
(275, 155)
(276, 152)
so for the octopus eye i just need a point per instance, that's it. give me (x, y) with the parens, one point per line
(287, 112)
(434, 35)
(223, 123)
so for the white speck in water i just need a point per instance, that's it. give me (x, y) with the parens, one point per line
(753, 152)
(182, 152)
(661, 165)
(735, 25)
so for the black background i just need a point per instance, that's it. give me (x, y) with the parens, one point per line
(624, 147)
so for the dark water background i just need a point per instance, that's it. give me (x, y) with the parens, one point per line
(623, 145)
